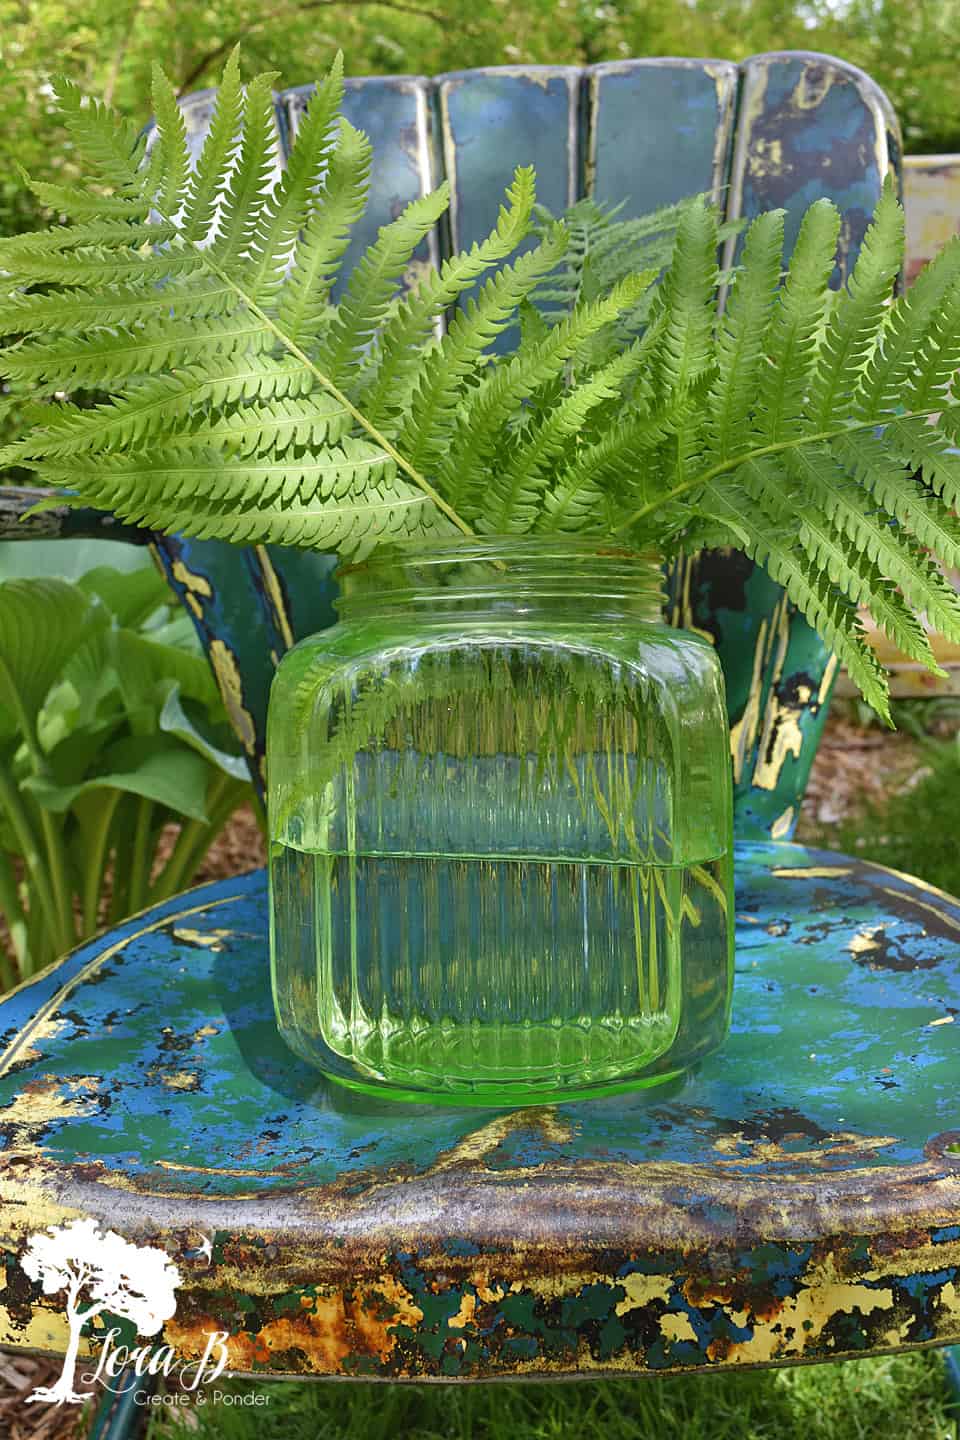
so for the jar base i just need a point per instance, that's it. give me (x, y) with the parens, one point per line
(498, 1099)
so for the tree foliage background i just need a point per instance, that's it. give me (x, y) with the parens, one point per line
(912, 47)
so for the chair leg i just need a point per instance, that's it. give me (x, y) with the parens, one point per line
(952, 1356)
(118, 1416)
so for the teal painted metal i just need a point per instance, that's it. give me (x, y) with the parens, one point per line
(797, 1198)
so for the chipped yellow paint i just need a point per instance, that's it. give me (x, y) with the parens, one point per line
(473, 1148)
(677, 1327)
(812, 88)
(271, 585)
(641, 1290)
(866, 940)
(450, 166)
(845, 1145)
(801, 1318)
(823, 693)
(812, 872)
(744, 733)
(780, 828)
(766, 158)
(193, 585)
(944, 1020)
(781, 735)
(46, 1330)
(466, 1314)
(227, 671)
(44, 1103)
(210, 939)
(180, 1080)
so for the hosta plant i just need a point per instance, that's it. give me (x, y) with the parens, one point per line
(811, 429)
(111, 729)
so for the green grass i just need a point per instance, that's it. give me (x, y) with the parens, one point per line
(892, 1398)
(901, 1397)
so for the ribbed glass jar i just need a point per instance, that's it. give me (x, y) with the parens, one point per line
(500, 826)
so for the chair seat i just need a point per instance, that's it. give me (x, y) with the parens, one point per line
(798, 1198)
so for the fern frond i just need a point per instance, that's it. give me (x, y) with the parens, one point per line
(742, 333)
(71, 311)
(798, 316)
(774, 546)
(687, 300)
(160, 406)
(326, 235)
(425, 435)
(929, 450)
(172, 141)
(284, 215)
(516, 488)
(883, 383)
(83, 205)
(109, 358)
(487, 408)
(364, 304)
(856, 319)
(257, 163)
(208, 182)
(393, 376)
(108, 142)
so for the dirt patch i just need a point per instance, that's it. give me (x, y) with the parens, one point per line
(853, 768)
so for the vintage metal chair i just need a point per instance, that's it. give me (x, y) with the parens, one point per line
(796, 1199)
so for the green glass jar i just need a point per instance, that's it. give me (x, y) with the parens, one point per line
(501, 828)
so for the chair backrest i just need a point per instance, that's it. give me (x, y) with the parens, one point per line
(780, 129)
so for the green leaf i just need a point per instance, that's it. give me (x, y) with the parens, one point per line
(42, 623)
(174, 720)
(156, 768)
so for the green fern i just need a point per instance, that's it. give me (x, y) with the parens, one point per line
(237, 400)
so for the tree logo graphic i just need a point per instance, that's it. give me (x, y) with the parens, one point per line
(99, 1271)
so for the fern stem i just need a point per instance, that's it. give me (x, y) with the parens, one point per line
(809, 438)
(419, 480)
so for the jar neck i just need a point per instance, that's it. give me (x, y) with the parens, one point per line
(590, 579)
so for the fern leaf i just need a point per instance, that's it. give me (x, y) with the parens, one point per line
(830, 613)
(485, 410)
(516, 489)
(326, 236)
(928, 449)
(108, 142)
(426, 433)
(78, 310)
(795, 326)
(257, 163)
(364, 304)
(851, 332)
(208, 182)
(939, 357)
(687, 300)
(172, 140)
(157, 407)
(284, 215)
(742, 332)
(390, 386)
(107, 358)
(884, 381)
(88, 205)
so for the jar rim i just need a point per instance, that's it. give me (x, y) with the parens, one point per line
(458, 549)
(506, 570)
